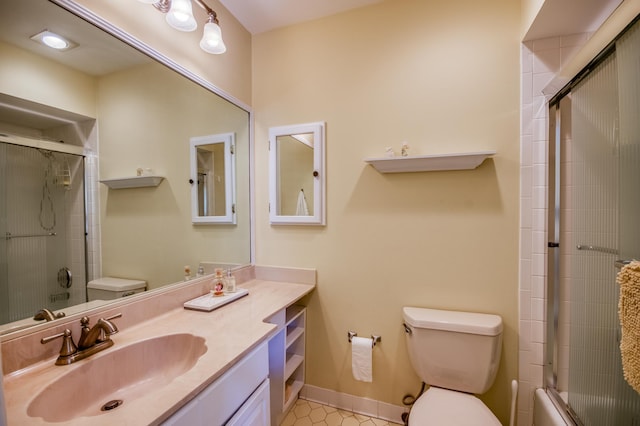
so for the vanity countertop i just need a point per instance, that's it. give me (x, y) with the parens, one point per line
(230, 333)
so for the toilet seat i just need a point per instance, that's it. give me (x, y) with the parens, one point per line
(437, 407)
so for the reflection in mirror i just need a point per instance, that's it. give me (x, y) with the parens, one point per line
(213, 179)
(296, 151)
(117, 110)
(297, 174)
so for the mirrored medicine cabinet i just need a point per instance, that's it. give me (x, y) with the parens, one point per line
(297, 174)
(213, 193)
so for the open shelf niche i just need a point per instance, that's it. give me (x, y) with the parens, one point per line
(133, 182)
(287, 360)
(429, 163)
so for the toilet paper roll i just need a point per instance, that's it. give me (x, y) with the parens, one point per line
(361, 363)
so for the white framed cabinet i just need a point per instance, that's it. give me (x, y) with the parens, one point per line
(287, 360)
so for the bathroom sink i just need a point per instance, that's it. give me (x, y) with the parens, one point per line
(116, 377)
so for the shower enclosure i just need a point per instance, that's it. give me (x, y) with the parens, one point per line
(42, 231)
(594, 226)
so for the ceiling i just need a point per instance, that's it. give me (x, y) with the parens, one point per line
(258, 16)
(98, 53)
(586, 17)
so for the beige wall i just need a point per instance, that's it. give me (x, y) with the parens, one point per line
(33, 78)
(443, 76)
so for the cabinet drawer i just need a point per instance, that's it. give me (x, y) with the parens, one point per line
(220, 400)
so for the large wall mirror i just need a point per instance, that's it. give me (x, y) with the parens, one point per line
(297, 174)
(101, 111)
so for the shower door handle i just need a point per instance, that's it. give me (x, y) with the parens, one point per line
(64, 277)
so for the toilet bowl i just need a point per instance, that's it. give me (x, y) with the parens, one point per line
(457, 354)
(109, 288)
(438, 407)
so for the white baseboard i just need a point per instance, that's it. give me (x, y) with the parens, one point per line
(356, 404)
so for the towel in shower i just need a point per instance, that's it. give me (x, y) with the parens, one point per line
(629, 312)
(302, 209)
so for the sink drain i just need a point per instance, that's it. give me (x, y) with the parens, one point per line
(114, 403)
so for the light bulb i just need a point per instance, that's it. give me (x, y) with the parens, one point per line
(180, 16)
(55, 41)
(212, 39)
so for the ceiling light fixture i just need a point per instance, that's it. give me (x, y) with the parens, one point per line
(180, 16)
(53, 40)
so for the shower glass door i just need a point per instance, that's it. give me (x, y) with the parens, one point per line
(598, 132)
(627, 400)
(42, 231)
(594, 357)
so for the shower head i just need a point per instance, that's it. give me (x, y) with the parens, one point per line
(46, 153)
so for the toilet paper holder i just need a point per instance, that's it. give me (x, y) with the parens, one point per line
(374, 339)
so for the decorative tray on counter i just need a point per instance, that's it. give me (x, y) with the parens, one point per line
(208, 302)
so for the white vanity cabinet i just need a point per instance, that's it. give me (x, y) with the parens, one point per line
(255, 411)
(286, 360)
(239, 397)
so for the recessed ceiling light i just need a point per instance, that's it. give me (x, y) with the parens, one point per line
(53, 40)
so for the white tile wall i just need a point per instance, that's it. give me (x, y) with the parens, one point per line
(540, 61)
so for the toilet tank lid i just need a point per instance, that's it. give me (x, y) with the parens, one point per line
(116, 284)
(462, 322)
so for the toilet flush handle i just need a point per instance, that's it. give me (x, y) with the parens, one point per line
(407, 329)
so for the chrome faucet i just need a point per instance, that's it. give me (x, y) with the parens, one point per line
(46, 314)
(92, 340)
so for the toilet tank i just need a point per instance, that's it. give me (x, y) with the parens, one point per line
(108, 288)
(454, 350)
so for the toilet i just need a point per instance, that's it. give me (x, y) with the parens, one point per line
(457, 354)
(109, 288)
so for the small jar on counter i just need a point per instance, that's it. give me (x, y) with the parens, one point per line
(230, 282)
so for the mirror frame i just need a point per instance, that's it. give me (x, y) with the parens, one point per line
(99, 22)
(228, 139)
(318, 217)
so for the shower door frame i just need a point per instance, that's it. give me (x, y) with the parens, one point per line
(553, 254)
(554, 159)
(66, 150)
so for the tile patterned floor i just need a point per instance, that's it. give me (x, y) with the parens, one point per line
(308, 413)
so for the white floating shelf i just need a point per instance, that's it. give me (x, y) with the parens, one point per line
(133, 182)
(428, 163)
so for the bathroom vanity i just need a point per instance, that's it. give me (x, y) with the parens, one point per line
(169, 365)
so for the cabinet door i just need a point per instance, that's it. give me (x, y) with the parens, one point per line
(255, 411)
(188, 415)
